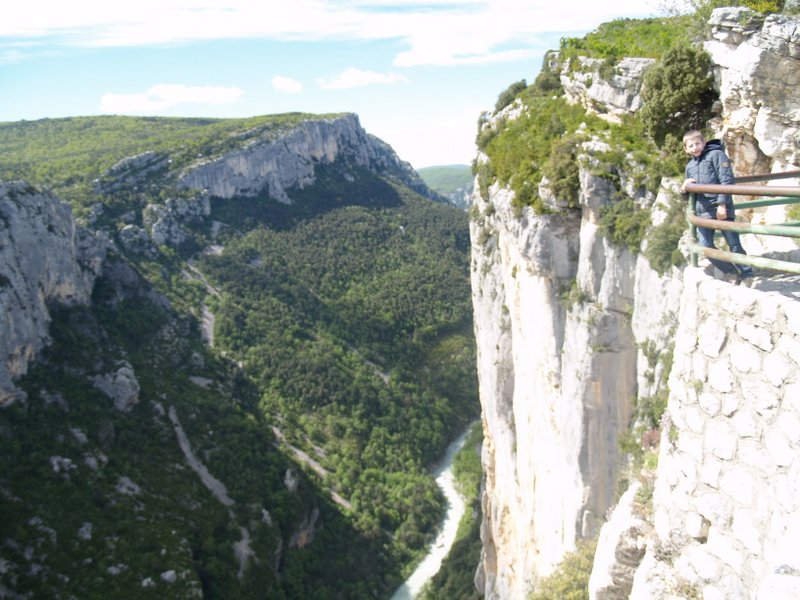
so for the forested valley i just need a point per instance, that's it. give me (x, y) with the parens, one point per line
(338, 364)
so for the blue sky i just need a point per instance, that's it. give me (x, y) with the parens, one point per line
(417, 72)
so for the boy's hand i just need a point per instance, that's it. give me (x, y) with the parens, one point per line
(685, 183)
(722, 212)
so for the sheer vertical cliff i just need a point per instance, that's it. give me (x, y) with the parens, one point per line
(572, 330)
(553, 303)
(44, 259)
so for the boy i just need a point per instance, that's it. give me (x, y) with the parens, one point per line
(710, 165)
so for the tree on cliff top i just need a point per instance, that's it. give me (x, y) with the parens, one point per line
(677, 93)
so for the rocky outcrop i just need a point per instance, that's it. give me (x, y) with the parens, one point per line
(44, 259)
(131, 170)
(622, 544)
(609, 90)
(120, 385)
(271, 166)
(571, 330)
(165, 221)
(758, 69)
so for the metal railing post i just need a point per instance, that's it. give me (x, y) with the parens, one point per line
(692, 229)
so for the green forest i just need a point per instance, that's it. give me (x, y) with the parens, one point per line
(342, 365)
(356, 324)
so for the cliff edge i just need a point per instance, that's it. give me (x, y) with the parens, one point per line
(574, 331)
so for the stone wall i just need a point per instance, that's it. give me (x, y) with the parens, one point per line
(727, 496)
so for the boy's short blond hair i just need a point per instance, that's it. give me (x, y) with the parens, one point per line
(692, 133)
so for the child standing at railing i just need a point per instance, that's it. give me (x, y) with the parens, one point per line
(710, 165)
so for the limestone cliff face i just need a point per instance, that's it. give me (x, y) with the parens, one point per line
(519, 268)
(554, 302)
(275, 165)
(563, 319)
(44, 258)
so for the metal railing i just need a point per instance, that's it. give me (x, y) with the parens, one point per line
(776, 195)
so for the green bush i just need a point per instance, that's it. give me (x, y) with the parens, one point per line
(570, 580)
(677, 93)
(646, 38)
(548, 81)
(508, 95)
(662, 250)
(697, 20)
(624, 223)
(485, 134)
(562, 170)
(522, 147)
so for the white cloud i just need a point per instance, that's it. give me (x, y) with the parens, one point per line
(286, 85)
(164, 96)
(443, 32)
(353, 78)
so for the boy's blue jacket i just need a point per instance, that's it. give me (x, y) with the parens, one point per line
(712, 166)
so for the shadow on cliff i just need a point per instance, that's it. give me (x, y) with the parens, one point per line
(783, 283)
(787, 284)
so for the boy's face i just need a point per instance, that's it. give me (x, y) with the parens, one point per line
(694, 145)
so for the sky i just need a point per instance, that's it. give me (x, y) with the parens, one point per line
(418, 73)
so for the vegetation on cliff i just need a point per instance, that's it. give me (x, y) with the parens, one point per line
(356, 325)
(454, 182)
(69, 154)
(103, 503)
(544, 142)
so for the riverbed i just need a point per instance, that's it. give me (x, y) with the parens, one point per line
(447, 529)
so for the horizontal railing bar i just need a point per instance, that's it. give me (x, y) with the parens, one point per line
(745, 259)
(767, 176)
(782, 230)
(790, 229)
(744, 190)
(760, 203)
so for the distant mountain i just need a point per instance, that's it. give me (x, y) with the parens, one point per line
(454, 182)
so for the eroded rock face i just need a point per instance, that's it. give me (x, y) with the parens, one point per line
(44, 258)
(758, 70)
(609, 91)
(120, 385)
(131, 170)
(621, 546)
(552, 300)
(274, 165)
(165, 221)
